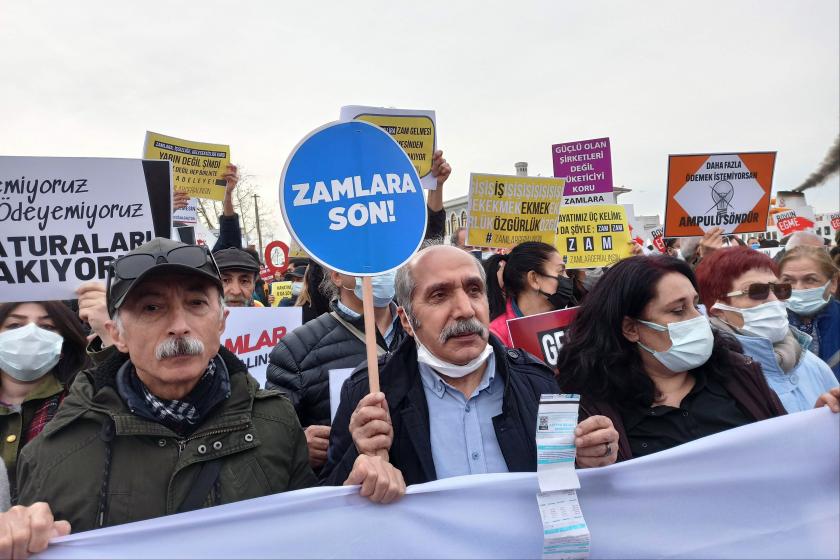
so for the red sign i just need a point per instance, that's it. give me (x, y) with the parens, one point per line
(243, 343)
(269, 263)
(635, 236)
(788, 222)
(266, 274)
(541, 334)
(835, 221)
(658, 237)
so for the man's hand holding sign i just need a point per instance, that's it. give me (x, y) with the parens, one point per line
(353, 201)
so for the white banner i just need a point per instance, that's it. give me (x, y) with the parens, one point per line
(63, 220)
(187, 215)
(252, 333)
(767, 490)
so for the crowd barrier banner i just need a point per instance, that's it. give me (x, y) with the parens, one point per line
(64, 220)
(729, 191)
(197, 166)
(415, 131)
(767, 490)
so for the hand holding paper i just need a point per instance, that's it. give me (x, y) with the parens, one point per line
(711, 242)
(440, 168)
(596, 441)
(93, 309)
(180, 200)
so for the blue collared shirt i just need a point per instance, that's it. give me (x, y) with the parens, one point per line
(389, 334)
(461, 430)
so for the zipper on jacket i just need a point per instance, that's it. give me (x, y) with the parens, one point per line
(182, 443)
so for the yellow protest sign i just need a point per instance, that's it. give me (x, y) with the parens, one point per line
(506, 210)
(295, 252)
(413, 130)
(281, 291)
(593, 236)
(197, 167)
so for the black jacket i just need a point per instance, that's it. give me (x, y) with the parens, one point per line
(300, 364)
(525, 380)
(230, 233)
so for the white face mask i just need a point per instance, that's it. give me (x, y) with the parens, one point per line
(29, 352)
(808, 302)
(691, 343)
(768, 320)
(424, 356)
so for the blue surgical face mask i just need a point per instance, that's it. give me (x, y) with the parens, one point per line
(808, 302)
(297, 287)
(383, 288)
(27, 353)
(768, 320)
(692, 342)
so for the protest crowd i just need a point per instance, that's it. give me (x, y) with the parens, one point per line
(125, 404)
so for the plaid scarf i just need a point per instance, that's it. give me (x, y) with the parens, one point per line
(44, 414)
(182, 416)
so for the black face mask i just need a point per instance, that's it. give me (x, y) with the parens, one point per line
(563, 297)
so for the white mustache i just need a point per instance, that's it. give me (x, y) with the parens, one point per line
(181, 346)
(465, 326)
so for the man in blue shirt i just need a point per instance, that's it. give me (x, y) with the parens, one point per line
(454, 400)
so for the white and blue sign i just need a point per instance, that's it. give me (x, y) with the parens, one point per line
(352, 199)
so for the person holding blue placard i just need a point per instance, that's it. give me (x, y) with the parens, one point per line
(454, 401)
(300, 363)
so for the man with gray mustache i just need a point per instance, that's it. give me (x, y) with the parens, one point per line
(172, 421)
(454, 400)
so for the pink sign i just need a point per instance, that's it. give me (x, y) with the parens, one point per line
(586, 165)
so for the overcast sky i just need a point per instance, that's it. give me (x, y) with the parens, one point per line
(507, 79)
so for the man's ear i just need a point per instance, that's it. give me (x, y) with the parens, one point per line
(630, 329)
(404, 321)
(224, 321)
(114, 333)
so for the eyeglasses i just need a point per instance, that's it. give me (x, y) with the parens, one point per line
(130, 267)
(760, 291)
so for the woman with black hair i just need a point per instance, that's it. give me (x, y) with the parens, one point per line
(530, 279)
(640, 353)
(42, 347)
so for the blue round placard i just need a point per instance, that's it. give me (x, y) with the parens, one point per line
(352, 199)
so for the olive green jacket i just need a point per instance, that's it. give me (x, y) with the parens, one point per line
(14, 421)
(97, 464)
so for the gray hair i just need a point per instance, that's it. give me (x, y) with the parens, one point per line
(327, 287)
(800, 238)
(453, 239)
(404, 284)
